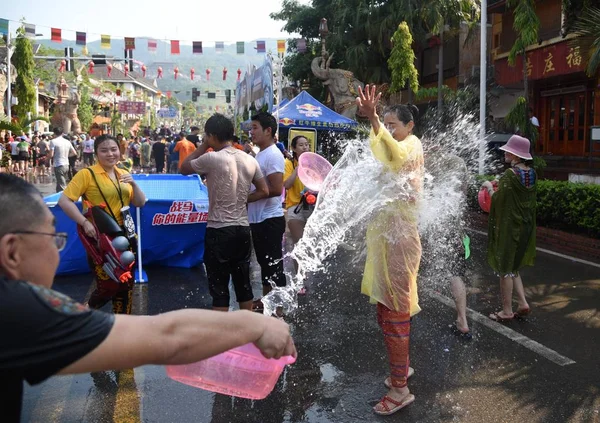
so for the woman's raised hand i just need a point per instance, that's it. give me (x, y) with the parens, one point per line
(367, 101)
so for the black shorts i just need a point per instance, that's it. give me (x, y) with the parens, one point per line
(267, 237)
(14, 157)
(23, 156)
(227, 254)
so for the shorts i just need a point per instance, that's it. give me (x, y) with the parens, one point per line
(23, 156)
(14, 158)
(227, 255)
(43, 161)
(302, 215)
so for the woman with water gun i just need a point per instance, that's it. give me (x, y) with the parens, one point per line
(393, 243)
(106, 184)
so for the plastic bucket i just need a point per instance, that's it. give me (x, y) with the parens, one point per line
(312, 170)
(484, 199)
(241, 372)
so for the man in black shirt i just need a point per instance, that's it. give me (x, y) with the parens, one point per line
(159, 149)
(46, 333)
(194, 137)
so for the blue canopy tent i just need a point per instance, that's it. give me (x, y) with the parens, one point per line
(245, 125)
(304, 111)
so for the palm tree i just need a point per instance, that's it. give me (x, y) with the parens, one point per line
(437, 15)
(588, 29)
(19, 126)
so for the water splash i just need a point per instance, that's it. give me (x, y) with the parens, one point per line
(359, 187)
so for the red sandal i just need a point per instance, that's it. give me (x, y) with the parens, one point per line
(398, 405)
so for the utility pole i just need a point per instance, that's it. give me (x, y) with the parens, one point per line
(8, 75)
(482, 87)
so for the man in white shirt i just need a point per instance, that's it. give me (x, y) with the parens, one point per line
(14, 154)
(88, 151)
(266, 216)
(60, 149)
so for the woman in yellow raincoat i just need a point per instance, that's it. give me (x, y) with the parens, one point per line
(393, 243)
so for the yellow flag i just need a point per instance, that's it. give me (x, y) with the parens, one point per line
(281, 46)
(105, 41)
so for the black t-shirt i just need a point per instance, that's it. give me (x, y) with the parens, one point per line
(41, 332)
(195, 139)
(158, 150)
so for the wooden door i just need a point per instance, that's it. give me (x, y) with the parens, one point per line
(566, 118)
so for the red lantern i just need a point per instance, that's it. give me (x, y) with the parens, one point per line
(168, 94)
(91, 67)
(144, 71)
(108, 69)
(208, 74)
(224, 74)
(239, 72)
(159, 70)
(126, 69)
(176, 72)
(192, 72)
(63, 65)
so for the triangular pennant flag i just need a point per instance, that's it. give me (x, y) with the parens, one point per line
(129, 43)
(3, 26)
(240, 47)
(260, 47)
(152, 46)
(56, 35)
(280, 46)
(105, 41)
(80, 38)
(175, 47)
(219, 46)
(197, 47)
(301, 45)
(29, 30)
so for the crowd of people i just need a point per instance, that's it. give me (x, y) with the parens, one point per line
(246, 212)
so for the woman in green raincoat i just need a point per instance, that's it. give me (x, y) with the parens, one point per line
(393, 243)
(511, 227)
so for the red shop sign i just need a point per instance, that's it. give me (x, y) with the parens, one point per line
(554, 60)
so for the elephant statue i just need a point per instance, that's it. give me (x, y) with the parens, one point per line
(65, 114)
(342, 84)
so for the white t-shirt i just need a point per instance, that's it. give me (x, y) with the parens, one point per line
(271, 161)
(14, 151)
(61, 148)
(88, 146)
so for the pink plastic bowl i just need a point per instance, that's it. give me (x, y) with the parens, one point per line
(484, 199)
(241, 372)
(312, 170)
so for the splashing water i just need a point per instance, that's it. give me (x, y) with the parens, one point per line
(359, 187)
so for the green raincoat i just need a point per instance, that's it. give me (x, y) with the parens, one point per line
(511, 225)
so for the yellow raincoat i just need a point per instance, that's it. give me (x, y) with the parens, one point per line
(393, 243)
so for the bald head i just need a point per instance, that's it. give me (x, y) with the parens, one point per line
(20, 204)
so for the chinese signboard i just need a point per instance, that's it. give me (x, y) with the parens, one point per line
(181, 213)
(555, 60)
(132, 107)
(170, 112)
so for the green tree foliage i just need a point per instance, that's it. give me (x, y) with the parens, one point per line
(21, 126)
(588, 29)
(22, 59)
(189, 111)
(85, 111)
(402, 60)
(518, 118)
(526, 25)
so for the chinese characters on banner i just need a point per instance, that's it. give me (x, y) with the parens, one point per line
(132, 107)
(558, 59)
(180, 213)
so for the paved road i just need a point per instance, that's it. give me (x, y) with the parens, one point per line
(507, 373)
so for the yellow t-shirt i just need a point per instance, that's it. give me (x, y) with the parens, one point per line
(292, 195)
(83, 184)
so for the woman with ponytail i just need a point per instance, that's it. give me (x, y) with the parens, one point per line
(393, 243)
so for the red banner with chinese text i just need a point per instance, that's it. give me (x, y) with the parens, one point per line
(555, 60)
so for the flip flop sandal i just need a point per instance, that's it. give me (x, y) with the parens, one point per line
(467, 336)
(387, 384)
(496, 317)
(522, 313)
(397, 405)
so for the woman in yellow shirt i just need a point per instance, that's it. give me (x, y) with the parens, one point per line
(297, 213)
(96, 183)
(393, 243)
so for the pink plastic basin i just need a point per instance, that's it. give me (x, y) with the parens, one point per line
(312, 170)
(241, 372)
(484, 199)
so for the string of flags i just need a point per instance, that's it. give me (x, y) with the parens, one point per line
(130, 42)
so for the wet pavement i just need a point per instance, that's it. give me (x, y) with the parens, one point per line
(499, 376)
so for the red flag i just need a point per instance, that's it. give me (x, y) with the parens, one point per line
(56, 35)
(174, 46)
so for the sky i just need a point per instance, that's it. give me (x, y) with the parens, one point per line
(189, 20)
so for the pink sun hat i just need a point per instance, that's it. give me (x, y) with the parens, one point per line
(518, 146)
